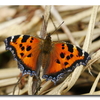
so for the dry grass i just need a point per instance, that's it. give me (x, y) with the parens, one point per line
(81, 27)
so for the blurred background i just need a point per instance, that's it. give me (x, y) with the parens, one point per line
(22, 19)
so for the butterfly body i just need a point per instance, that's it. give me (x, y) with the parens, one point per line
(56, 58)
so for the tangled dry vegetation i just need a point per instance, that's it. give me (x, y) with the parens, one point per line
(81, 27)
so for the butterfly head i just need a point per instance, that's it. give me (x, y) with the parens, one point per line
(48, 36)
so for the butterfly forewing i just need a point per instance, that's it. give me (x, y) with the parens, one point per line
(26, 50)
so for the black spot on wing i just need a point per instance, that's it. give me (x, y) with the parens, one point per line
(63, 46)
(31, 39)
(67, 57)
(70, 48)
(79, 51)
(20, 45)
(62, 55)
(22, 48)
(28, 48)
(65, 63)
(71, 55)
(25, 37)
(29, 55)
(15, 38)
(22, 54)
(57, 61)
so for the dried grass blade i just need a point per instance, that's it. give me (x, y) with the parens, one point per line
(79, 16)
(94, 93)
(89, 35)
(94, 84)
(6, 82)
(8, 73)
(45, 87)
(19, 92)
(30, 85)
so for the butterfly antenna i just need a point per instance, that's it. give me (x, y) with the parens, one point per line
(56, 28)
(16, 84)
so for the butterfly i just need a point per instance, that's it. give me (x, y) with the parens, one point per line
(56, 58)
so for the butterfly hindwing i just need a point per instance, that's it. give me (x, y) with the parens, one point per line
(26, 50)
(64, 58)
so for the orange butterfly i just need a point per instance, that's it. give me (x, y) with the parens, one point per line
(56, 58)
